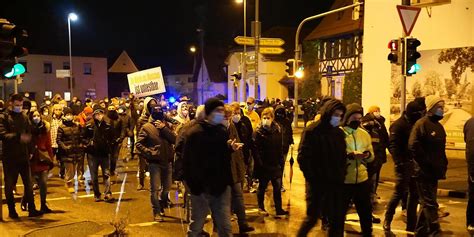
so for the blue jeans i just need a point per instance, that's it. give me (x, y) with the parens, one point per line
(238, 203)
(94, 163)
(220, 211)
(160, 183)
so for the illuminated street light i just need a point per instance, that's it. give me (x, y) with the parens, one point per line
(239, 1)
(72, 16)
(299, 73)
(192, 49)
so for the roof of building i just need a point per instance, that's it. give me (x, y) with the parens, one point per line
(338, 23)
(123, 64)
(214, 58)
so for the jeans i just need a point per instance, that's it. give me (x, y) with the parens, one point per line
(262, 186)
(220, 211)
(403, 176)
(114, 157)
(470, 203)
(160, 184)
(142, 168)
(80, 168)
(71, 168)
(238, 203)
(11, 171)
(94, 163)
(42, 179)
(62, 168)
(428, 223)
(314, 199)
(360, 195)
(412, 205)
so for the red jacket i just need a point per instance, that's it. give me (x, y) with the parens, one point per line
(41, 141)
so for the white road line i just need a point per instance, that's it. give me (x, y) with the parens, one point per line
(72, 197)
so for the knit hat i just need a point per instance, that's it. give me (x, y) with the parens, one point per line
(211, 104)
(88, 110)
(350, 110)
(67, 110)
(421, 102)
(414, 107)
(431, 101)
(98, 109)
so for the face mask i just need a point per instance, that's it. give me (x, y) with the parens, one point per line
(45, 113)
(250, 107)
(266, 123)
(157, 115)
(68, 118)
(335, 120)
(236, 118)
(226, 123)
(112, 114)
(17, 109)
(280, 115)
(127, 105)
(184, 113)
(120, 111)
(48, 102)
(354, 124)
(439, 113)
(377, 114)
(217, 118)
(36, 120)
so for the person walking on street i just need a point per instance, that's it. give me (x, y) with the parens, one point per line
(249, 111)
(268, 160)
(469, 139)
(71, 145)
(56, 120)
(427, 145)
(398, 148)
(154, 142)
(356, 184)
(98, 133)
(322, 159)
(118, 134)
(287, 135)
(15, 132)
(207, 170)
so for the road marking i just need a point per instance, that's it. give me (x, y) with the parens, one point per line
(144, 224)
(72, 197)
(395, 231)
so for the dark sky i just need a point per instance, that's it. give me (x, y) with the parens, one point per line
(153, 32)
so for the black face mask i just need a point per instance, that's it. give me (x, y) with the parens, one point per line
(112, 114)
(157, 115)
(436, 117)
(280, 115)
(354, 124)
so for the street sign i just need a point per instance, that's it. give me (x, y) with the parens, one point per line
(263, 41)
(408, 16)
(146, 82)
(271, 50)
(62, 73)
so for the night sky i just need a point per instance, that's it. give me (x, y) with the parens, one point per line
(154, 33)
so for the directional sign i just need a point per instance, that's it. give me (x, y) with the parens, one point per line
(263, 41)
(408, 16)
(271, 50)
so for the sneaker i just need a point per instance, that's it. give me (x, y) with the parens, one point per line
(140, 187)
(470, 228)
(35, 187)
(282, 213)
(71, 190)
(13, 215)
(376, 220)
(158, 218)
(108, 198)
(263, 212)
(97, 199)
(283, 189)
(442, 213)
(34, 213)
(246, 228)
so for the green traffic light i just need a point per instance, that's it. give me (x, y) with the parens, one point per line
(415, 68)
(17, 69)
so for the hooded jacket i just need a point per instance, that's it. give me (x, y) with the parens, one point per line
(269, 152)
(322, 150)
(357, 140)
(286, 129)
(155, 143)
(377, 130)
(12, 125)
(180, 117)
(244, 129)
(98, 134)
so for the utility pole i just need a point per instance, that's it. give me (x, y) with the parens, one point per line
(298, 49)
(403, 77)
(244, 58)
(257, 26)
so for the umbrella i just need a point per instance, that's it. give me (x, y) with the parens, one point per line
(292, 161)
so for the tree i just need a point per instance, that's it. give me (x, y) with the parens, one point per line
(451, 87)
(310, 85)
(463, 58)
(352, 92)
(416, 90)
(433, 84)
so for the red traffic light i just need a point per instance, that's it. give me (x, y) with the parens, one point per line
(393, 45)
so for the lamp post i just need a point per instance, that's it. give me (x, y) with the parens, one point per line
(71, 17)
(244, 54)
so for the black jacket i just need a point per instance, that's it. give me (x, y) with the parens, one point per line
(127, 124)
(178, 169)
(71, 141)
(427, 144)
(398, 140)
(98, 134)
(269, 152)
(117, 130)
(322, 150)
(12, 125)
(244, 129)
(378, 132)
(286, 130)
(469, 139)
(206, 159)
(155, 144)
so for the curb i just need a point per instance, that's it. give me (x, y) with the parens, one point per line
(441, 192)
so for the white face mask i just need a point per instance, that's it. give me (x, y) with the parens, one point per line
(377, 114)
(236, 118)
(226, 123)
(185, 113)
(266, 123)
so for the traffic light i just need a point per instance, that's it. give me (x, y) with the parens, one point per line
(290, 68)
(299, 73)
(411, 67)
(394, 56)
(11, 47)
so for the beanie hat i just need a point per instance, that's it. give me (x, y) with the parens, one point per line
(88, 110)
(98, 109)
(373, 108)
(414, 107)
(421, 102)
(211, 104)
(431, 101)
(350, 110)
(67, 110)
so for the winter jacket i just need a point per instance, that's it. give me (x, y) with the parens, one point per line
(427, 145)
(469, 139)
(127, 124)
(286, 130)
(357, 140)
(71, 141)
(237, 163)
(378, 132)
(179, 116)
(206, 159)
(155, 144)
(98, 135)
(117, 130)
(398, 141)
(244, 130)
(254, 118)
(12, 125)
(178, 169)
(41, 141)
(269, 152)
(322, 150)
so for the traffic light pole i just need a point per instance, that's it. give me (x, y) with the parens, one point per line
(70, 57)
(298, 49)
(257, 46)
(403, 84)
(244, 58)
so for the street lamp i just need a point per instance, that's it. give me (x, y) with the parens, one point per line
(71, 17)
(244, 53)
(239, 1)
(192, 49)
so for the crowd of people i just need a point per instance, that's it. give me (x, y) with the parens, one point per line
(218, 151)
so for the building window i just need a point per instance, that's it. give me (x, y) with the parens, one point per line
(24, 65)
(47, 67)
(66, 65)
(87, 68)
